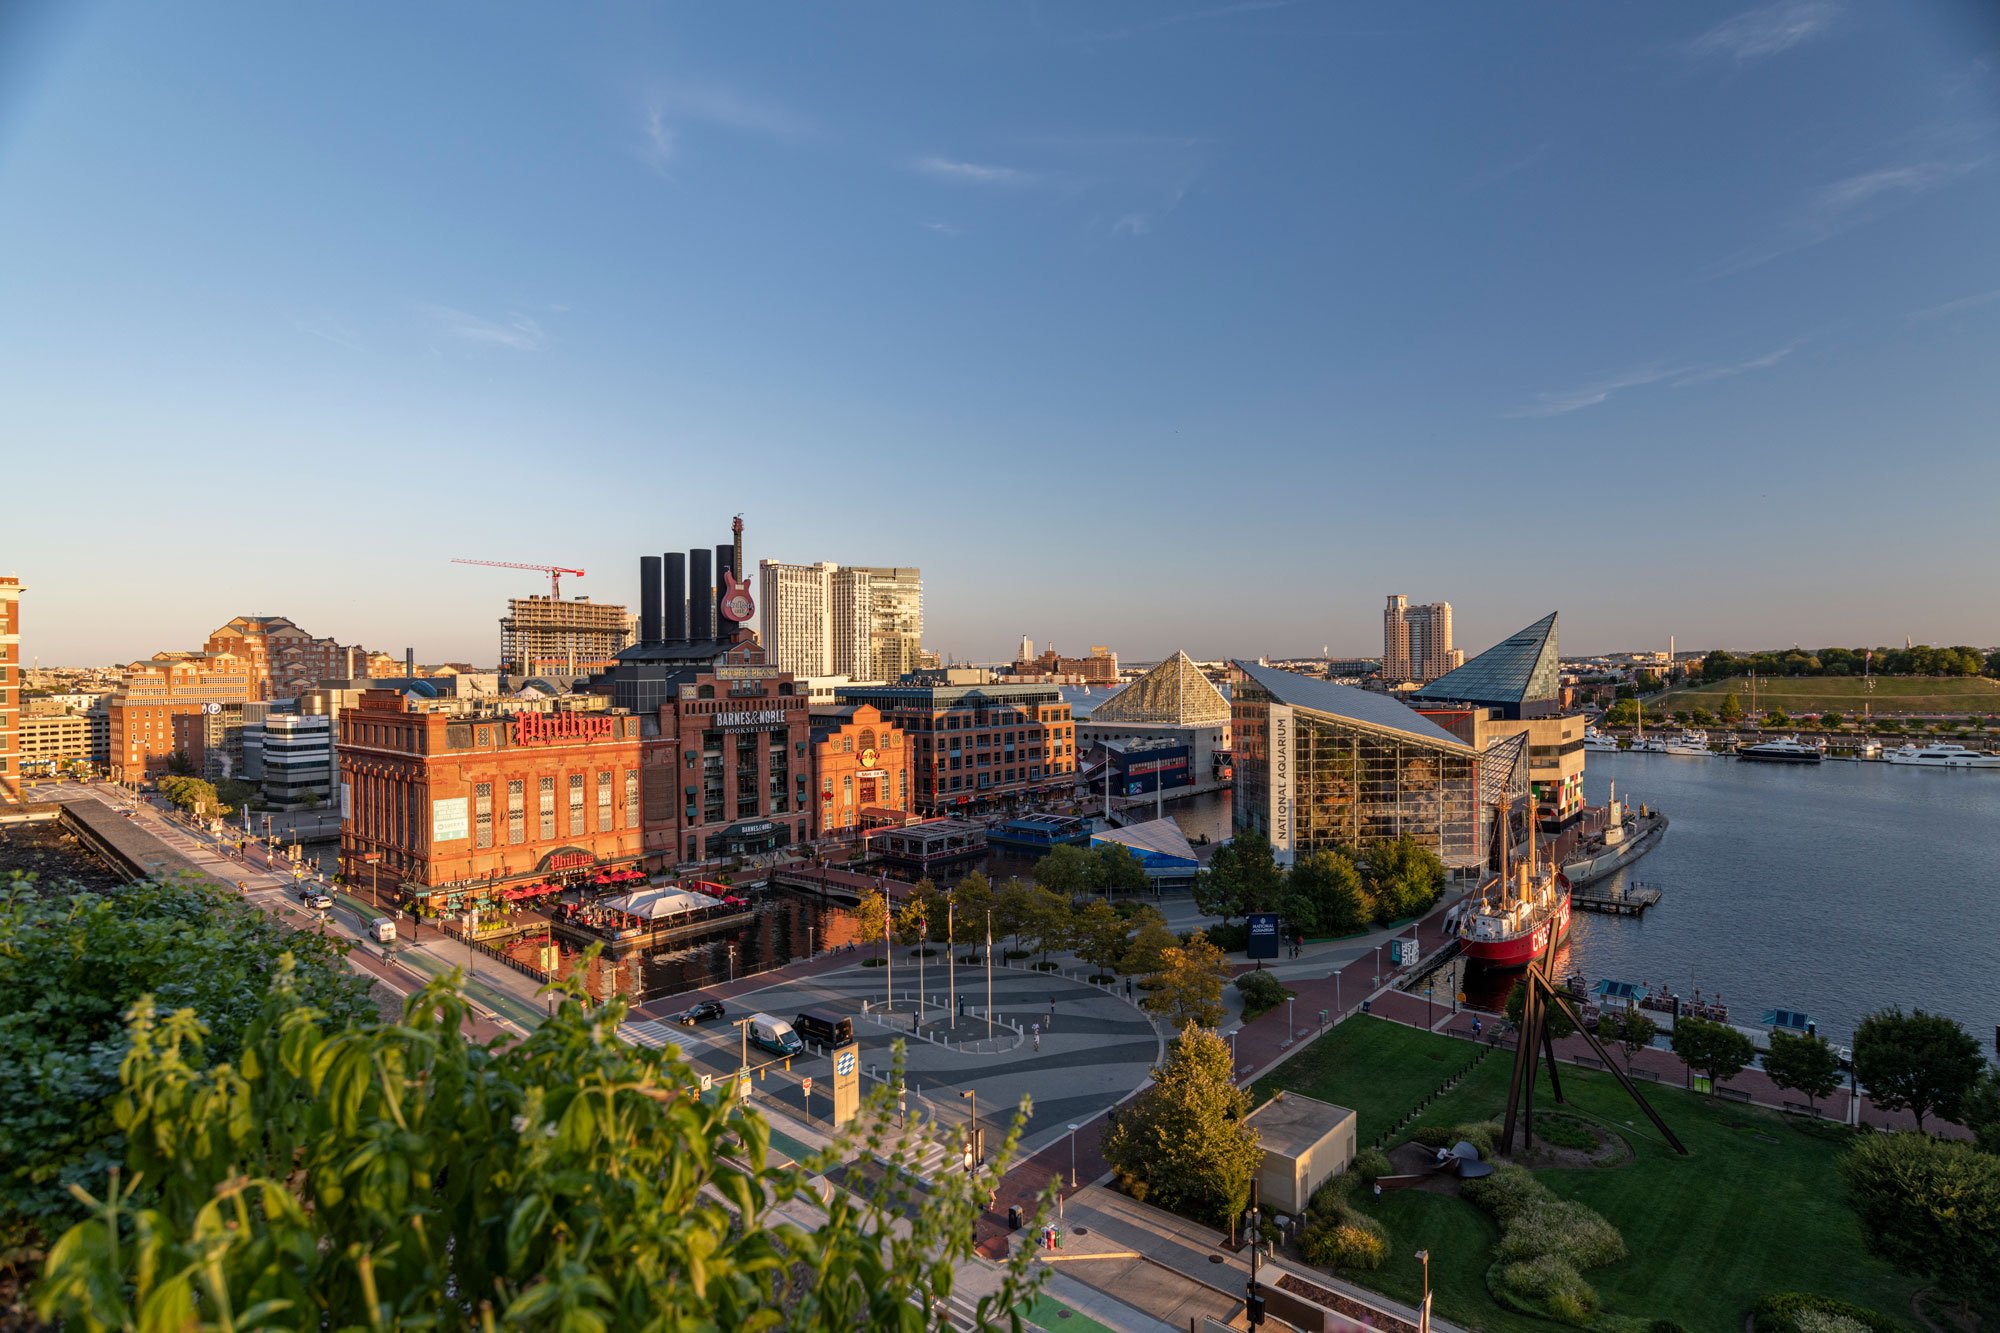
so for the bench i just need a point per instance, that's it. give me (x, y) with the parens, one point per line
(1801, 1108)
(1652, 1074)
(1733, 1094)
(1589, 1062)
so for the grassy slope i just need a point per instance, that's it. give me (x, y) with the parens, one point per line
(1845, 694)
(1708, 1235)
(1378, 1068)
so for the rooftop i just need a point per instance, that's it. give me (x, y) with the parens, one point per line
(1291, 1123)
(1522, 668)
(1354, 705)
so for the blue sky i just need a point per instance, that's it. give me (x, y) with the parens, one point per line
(1161, 327)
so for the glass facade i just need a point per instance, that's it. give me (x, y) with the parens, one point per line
(1352, 784)
(1523, 668)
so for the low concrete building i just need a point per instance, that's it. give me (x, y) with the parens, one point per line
(1306, 1143)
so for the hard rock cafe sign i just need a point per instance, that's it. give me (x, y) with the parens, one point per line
(735, 603)
(553, 728)
(868, 759)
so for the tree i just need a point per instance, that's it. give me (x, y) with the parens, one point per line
(1715, 1050)
(1182, 1142)
(1242, 877)
(1702, 717)
(1732, 709)
(1981, 1112)
(1560, 1024)
(1403, 878)
(179, 763)
(871, 917)
(1070, 871)
(1187, 990)
(1832, 721)
(975, 898)
(72, 964)
(1119, 870)
(1931, 1207)
(1804, 1064)
(1145, 954)
(1099, 935)
(1925, 1063)
(397, 1175)
(1049, 921)
(1777, 717)
(1323, 895)
(1013, 905)
(1628, 1028)
(1623, 713)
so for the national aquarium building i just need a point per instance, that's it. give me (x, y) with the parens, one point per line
(1322, 766)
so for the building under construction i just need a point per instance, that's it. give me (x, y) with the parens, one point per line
(549, 636)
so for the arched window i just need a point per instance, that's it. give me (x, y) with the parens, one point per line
(704, 692)
(867, 739)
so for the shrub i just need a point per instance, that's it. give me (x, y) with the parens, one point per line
(1572, 1231)
(1432, 1136)
(1228, 938)
(1369, 1166)
(1820, 1321)
(1664, 1326)
(1340, 1237)
(1564, 1132)
(1504, 1193)
(1552, 1281)
(1481, 1134)
(1781, 1311)
(1261, 993)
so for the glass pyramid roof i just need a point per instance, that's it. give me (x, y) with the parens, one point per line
(1175, 692)
(1523, 668)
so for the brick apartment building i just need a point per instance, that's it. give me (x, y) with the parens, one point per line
(861, 763)
(976, 742)
(461, 808)
(161, 700)
(10, 690)
(283, 659)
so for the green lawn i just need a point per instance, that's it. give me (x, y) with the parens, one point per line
(1892, 695)
(1754, 1209)
(1378, 1068)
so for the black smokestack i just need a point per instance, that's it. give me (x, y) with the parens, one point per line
(410, 663)
(649, 599)
(676, 591)
(701, 599)
(725, 560)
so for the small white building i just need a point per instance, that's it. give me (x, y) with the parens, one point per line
(1306, 1143)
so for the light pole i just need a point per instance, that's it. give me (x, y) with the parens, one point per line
(972, 1144)
(1072, 1155)
(1232, 1053)
(951, 959)
(1291, 1024)
(1378, 964)
(1424, 1312)
(989, 972)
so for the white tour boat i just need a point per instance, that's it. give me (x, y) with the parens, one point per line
(1942, 755)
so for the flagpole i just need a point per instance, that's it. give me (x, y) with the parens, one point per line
(989, 972)
(888, 960)
(951, 961)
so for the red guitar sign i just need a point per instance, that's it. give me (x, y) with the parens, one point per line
(735, 603)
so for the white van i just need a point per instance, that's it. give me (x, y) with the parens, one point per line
(775, 1035)
(382, 930)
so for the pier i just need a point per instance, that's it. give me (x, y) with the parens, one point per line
(1630, 901)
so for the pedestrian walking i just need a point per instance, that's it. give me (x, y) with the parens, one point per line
(1038, 1036)
(1052, 1013)
(961, 1006)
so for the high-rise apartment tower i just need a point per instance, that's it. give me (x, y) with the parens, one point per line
(1416, 641)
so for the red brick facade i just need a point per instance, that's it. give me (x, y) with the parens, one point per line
(10, 690)
(463, 808)
(149, 712)
(860, 762)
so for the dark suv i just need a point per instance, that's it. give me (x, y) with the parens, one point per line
(825, 1029)
(699, 1012)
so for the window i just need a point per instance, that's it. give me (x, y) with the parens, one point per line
(482, 814)
(847, 790)
(545, 807)
(631, 798)
(517, 829)
(575, 804)
(604, 800)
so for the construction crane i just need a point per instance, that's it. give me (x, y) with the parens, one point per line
(555, 572)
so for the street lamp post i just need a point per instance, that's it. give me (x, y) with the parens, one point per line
(989, 972)
(1378, 964)
(1232, 1053)
(1072, 1155)
(951, 960)
(1424, 1312)
(972, 1144)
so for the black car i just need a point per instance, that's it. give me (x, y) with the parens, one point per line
(699, 1012)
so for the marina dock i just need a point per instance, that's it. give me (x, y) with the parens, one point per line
(1632, 900)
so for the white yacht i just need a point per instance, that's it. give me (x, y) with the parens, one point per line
(1593, 739)
(1942, 755)
(1689, 742)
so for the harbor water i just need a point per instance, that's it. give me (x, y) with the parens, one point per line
(1835, 888)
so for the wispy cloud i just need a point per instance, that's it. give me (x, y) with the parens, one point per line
(1851, 202)
(1501, 171)
(661, 142)
(1132, 224)
(520, 332)
(1562, 402)
(971, 173)
(1972, 302)
(1705, 374)
(329, 329)
(943, 229)
(1768, 31)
